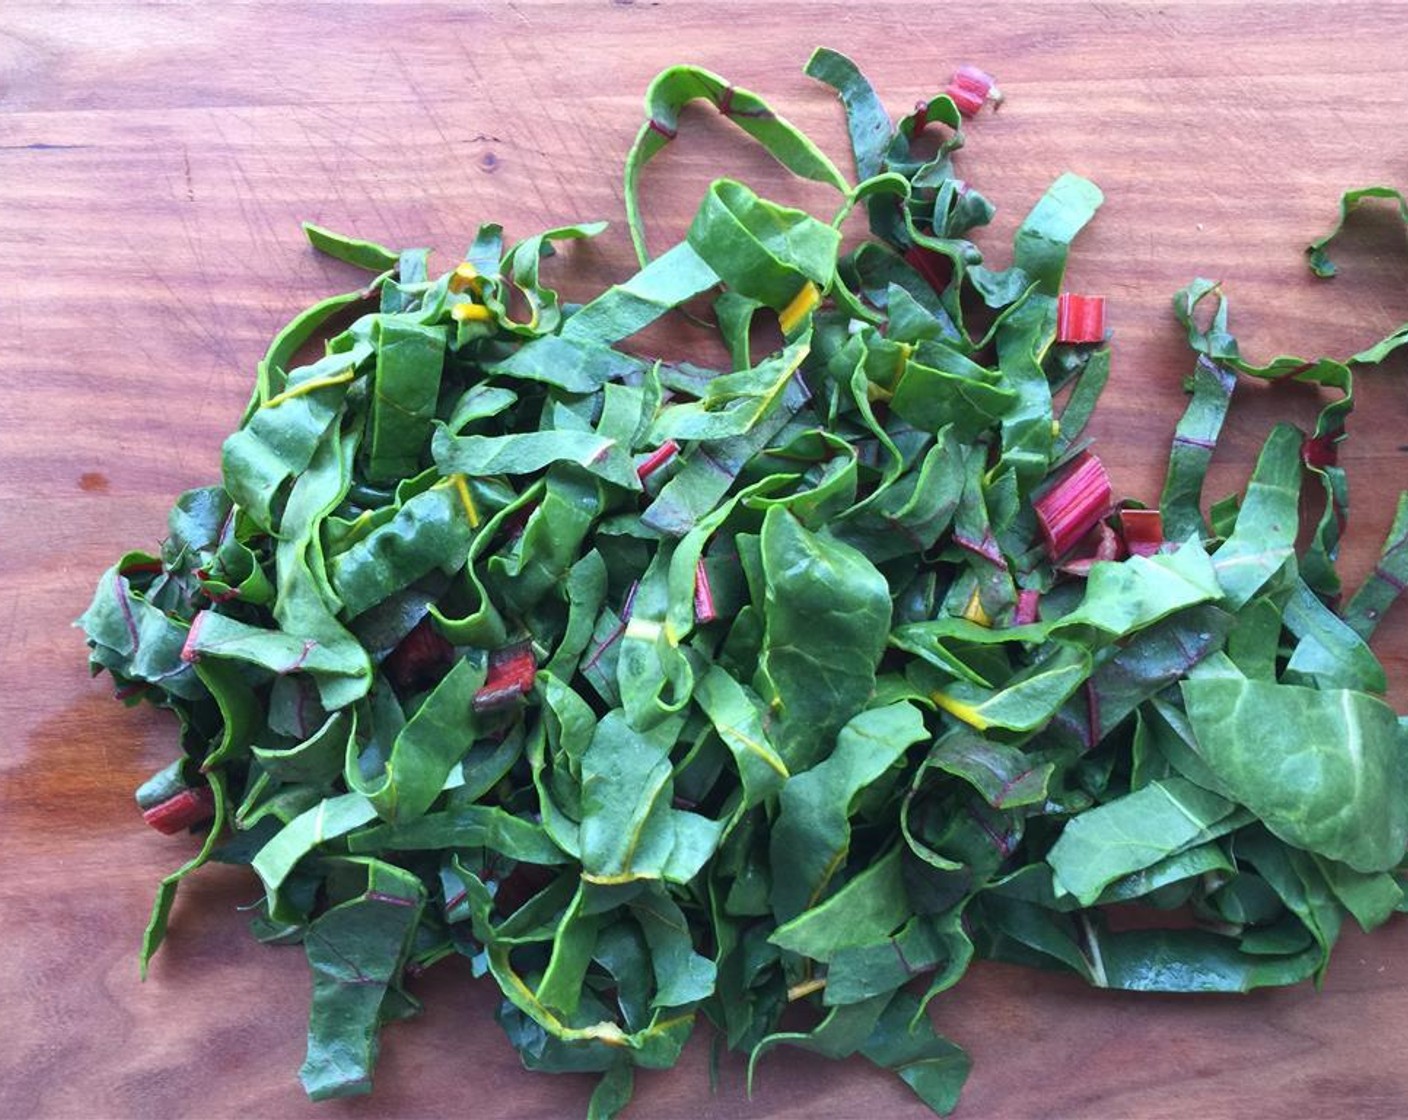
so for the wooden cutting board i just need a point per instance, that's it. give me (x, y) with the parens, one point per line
(154, 165)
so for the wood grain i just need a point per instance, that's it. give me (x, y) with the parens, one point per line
(154, 164)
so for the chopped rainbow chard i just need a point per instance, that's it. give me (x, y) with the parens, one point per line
(454, 677)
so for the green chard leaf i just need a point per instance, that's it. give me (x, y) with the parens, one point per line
(1133, 832)
(357, 951)
(1267, 522)
(1320, 262)
(1386, 582)
(827, 611)
(812, 836)
(1325, 770)
(1193, 443)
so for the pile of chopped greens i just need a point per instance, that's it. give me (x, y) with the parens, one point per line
(660, 691)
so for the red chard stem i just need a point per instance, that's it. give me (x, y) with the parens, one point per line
(657, 459)
(1143, 531)
(703, 595)
(511, 673)
(185, 810)
(1074, 505)
(970, 88)
(1080, 318)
